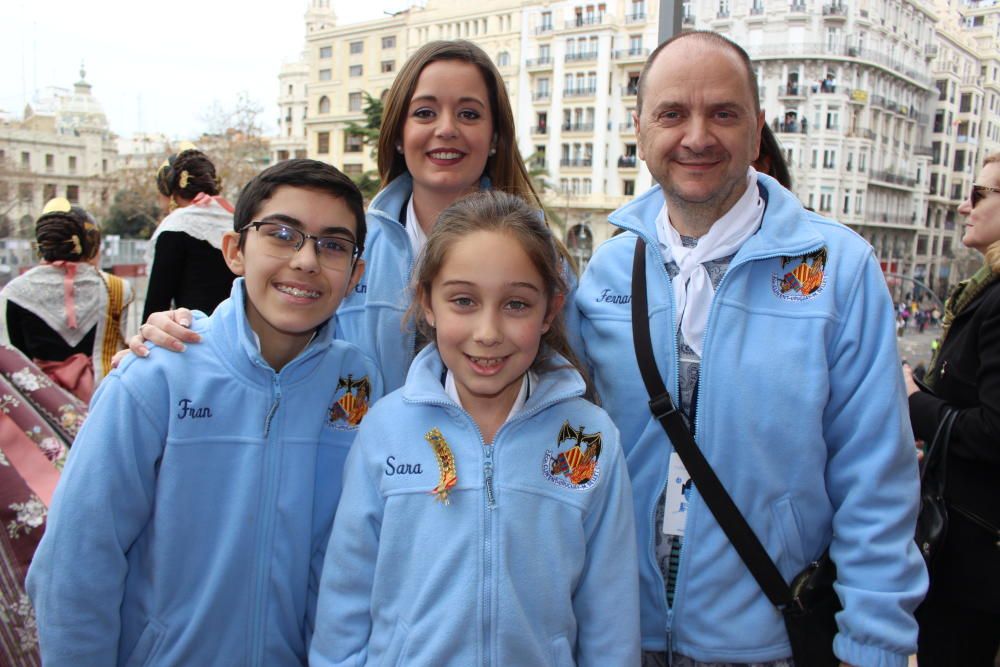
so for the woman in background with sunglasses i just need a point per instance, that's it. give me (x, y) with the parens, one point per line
(960, 618)
(184, 262)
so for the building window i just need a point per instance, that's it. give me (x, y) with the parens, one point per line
(25, 192)
(354, 70)
(325, 52)
(829, 160)
(357, 47)
(50, 164)
(72, 164)
(546, 21)
(26, 160)
(352, 143)
(388, 66)
(628, 187)
(49, 192)
(282, 155)
(353, 170)
(503, 59)
(323, 143)
(325, 75)
(354, 102)
(324, 104)
(388, 42)
(73, 193)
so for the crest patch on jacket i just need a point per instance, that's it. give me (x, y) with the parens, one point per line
(801, 277)
(574, 463)
(350, 403)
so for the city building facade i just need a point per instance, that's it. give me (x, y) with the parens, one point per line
(61, 147)
(852, 90)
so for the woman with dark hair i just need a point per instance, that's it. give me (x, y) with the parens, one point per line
(184, 261)
(771, 161)
(67, 314)
(960, 618)
(447, 131)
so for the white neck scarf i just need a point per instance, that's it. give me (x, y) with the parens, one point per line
(693, 289)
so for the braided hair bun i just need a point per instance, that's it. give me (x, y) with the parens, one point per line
(186, 174)
(66, 232)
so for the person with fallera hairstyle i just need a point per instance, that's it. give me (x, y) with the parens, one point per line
(486, 515)
(191, 521)
(447, 130)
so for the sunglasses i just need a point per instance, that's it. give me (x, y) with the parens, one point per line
(980, 191)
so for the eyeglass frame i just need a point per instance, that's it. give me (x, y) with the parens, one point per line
(978, 192)
(355, 256)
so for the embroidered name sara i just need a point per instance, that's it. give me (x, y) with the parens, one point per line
(393, 468)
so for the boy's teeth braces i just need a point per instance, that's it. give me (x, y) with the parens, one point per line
(294, 291)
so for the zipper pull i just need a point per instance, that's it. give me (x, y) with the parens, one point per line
(491, 500)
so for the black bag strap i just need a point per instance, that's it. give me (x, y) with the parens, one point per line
(723, 508)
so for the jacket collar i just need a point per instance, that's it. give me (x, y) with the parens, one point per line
(390, 200)
(238, 343)
(784, 229)
(425, 382)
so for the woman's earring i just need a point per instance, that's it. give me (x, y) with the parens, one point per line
(399, 148)
(493, 150)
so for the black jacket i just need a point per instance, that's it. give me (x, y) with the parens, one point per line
(969, 568)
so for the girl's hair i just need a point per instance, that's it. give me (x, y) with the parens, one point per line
(186, 174)
(495, 211)
(505, 169)
(770, 149)
(67, 233)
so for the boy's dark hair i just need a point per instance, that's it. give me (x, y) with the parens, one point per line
(187, 174)
(300, 173)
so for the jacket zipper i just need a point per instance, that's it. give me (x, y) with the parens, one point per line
(265, 528)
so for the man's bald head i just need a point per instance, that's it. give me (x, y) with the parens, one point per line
(709, 38)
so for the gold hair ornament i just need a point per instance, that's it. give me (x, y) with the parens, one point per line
(77, 248)
(57, 205)
(446, 462)
(183, 182)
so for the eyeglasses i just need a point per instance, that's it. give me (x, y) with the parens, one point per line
(980, 191)
(280, 241)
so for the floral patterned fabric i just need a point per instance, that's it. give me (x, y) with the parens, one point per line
(49, 418)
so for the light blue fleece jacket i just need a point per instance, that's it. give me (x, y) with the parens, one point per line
(802, 414)
(193, 515)
(522, 567)
(372, 316)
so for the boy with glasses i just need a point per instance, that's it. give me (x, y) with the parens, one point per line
(191, 521)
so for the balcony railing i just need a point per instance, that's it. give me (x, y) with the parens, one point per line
(757, 11)
(636, 17)
(583, 91)
(544, 28)
(541, 95)
(576, 162)
(791, 90)
(581, 55)
(722, 14)
(539, 62)
(626, 126)
(630, 90)
(890, 177)
(539, 129)
(628, 161)
(630, 53)
(578, 127)
(784, 49)
(581, 21)
(793, 127)
(835, 10)
(797, 8)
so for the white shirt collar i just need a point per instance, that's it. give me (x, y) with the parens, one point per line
(418, 239)
(522, 395)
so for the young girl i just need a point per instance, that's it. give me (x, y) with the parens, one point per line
(486, 514)
(447, 131)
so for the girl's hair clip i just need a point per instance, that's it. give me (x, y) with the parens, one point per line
(183, 181)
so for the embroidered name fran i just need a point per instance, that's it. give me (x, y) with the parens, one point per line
(185, 410)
